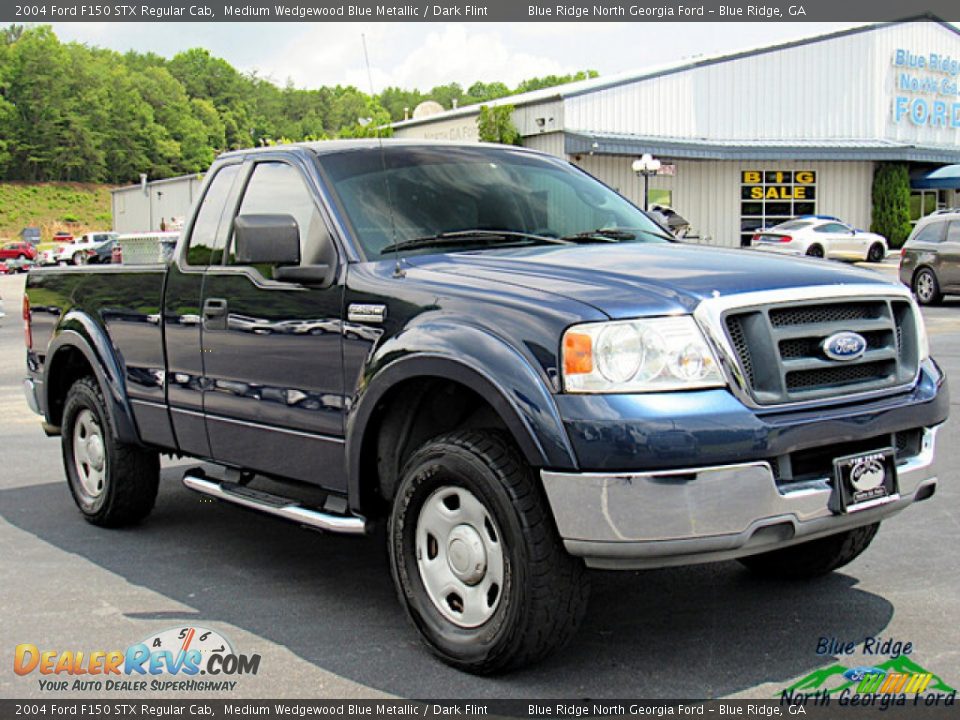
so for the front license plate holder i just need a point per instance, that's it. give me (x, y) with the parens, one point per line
(864, 480)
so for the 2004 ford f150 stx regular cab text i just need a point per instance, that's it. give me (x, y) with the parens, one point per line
(504, 360)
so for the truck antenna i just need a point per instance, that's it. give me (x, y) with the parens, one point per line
(398, 271)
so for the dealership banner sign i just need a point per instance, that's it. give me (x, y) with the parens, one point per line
(44, 11)
(874, 705)
(927, 87)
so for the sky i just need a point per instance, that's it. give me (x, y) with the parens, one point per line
(423, 55)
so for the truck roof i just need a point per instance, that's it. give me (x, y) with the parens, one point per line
(327, 147)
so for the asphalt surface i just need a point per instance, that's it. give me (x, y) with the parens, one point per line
(321, 609)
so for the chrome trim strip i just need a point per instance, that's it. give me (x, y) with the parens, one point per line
(149, 403)
(247, 423)
(351, 525)
(709, 316)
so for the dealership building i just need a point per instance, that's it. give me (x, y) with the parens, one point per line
(747, 139)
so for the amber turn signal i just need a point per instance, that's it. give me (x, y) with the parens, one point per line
(577, 354)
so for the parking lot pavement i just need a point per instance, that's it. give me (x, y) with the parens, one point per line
(321, 610)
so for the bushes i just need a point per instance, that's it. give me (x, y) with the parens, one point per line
(891, 203)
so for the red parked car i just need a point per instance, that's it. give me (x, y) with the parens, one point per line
(18, 251)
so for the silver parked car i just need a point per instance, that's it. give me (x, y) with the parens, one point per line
(930, 259)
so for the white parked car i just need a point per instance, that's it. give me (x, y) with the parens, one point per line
(84, 249)
(821, 237)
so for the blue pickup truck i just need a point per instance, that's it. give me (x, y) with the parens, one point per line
(503, 361)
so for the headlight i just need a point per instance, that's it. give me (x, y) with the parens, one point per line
(651, 355)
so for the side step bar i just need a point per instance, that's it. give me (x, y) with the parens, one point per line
(274, 505)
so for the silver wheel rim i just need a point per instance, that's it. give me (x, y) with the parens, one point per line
(89, 457)
(924, 286)
(460, 556)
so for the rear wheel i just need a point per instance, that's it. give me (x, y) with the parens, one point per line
(813, 558)
(926, 287)
(876, 253)
(815, 251)
(476, 558)
(113, 483)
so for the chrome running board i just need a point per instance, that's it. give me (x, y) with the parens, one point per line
(277, 505)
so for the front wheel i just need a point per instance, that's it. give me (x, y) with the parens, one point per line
(113, 483)
(476, 557)
(876, 253)
(814, 558)
(78, 258)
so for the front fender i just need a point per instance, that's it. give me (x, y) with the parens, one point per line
(78, 331)
(481, 361)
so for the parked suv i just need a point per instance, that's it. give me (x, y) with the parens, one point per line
(930, 259)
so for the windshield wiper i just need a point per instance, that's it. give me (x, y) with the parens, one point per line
(486, 237)
(613, 235)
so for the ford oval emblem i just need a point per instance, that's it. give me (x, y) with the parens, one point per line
(844, 346)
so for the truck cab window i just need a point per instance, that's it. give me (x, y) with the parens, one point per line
(276, 187)
(206, 245)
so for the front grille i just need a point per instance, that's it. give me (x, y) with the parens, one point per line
(817, 463)
(779, 348)
(840, 376)
(784, 317)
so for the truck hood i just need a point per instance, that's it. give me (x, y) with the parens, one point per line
(636, 279)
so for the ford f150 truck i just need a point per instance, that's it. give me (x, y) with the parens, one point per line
(504, 361)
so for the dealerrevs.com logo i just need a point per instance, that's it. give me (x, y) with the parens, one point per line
(172, 660)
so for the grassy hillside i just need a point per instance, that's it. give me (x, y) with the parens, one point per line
(74, 207)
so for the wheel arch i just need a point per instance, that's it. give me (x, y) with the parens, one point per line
(520, 401)
(81, 347)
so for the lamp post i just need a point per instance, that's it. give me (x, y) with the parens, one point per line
(646, 165)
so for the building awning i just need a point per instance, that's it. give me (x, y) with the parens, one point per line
(583, 142)
(944, 178)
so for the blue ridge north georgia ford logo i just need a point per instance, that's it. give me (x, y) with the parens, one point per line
(844, 346)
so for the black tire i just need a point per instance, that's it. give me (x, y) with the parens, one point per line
(876, 253)
(78, 258)
(544, 590)
(815, 251)
(129, 475)
(926, 287)
(814, 558)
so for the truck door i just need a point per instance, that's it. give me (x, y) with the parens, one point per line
(273, 397)
(204, 242)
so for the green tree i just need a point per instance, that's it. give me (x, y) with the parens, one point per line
(481, 92)
(891, 202)
(554, 80)
(495, 125)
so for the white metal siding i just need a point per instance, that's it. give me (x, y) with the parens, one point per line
(547, 142)
(839, 88)
(462, 128)
(138, 210)
(707, 193)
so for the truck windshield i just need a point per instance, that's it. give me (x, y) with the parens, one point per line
(410, 193)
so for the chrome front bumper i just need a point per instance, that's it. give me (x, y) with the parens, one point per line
(692, 515)
(30, 392)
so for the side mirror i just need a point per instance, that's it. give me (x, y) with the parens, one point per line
(267, 239)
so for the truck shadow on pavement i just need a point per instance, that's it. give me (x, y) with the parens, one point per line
(684, 632)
